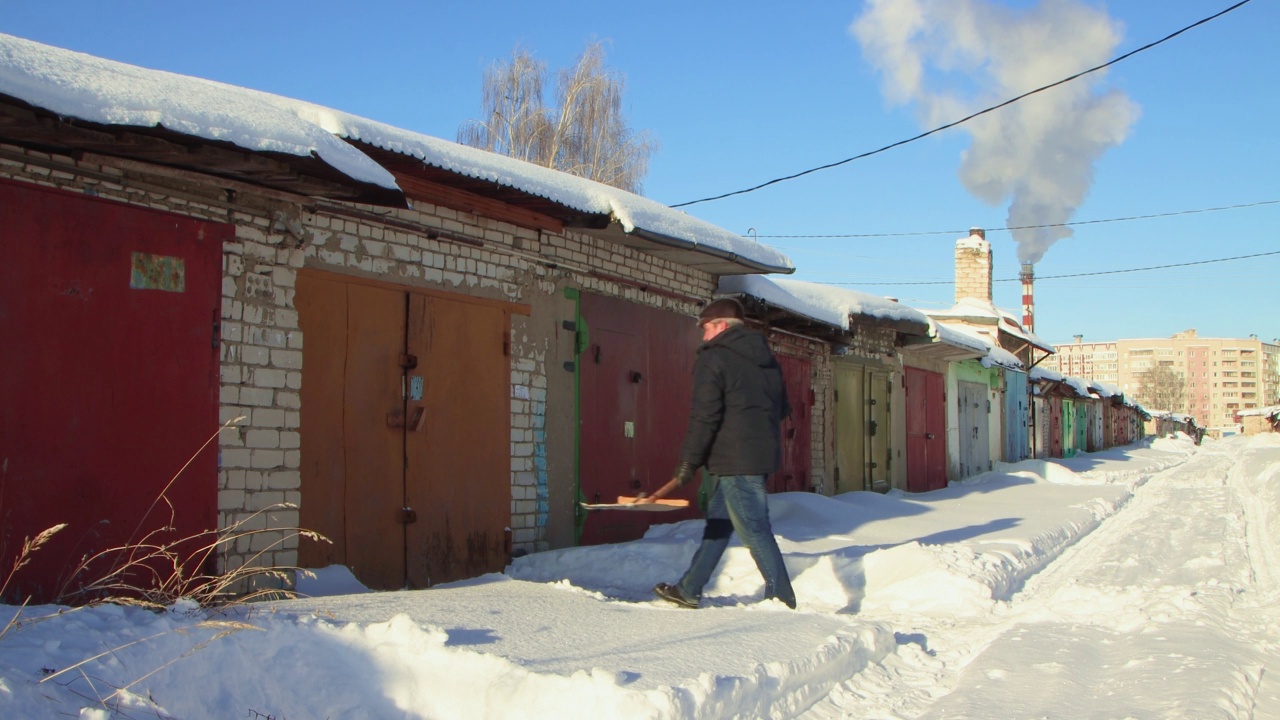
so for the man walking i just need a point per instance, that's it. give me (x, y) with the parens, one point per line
(738, 403)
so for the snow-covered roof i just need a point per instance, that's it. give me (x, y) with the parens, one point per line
(1079, 385)
(76, 85)
(951, 335)
(632, 211)
(1264, 411)
(1040, 372)
(824, 303)
(975, 309)
(1176, 417)
(1104, 390)
(996, 355)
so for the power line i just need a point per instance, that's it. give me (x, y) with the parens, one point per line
(1075, 275)
(1020, 227)
(950, 125)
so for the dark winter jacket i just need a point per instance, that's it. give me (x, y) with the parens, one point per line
(738, 402)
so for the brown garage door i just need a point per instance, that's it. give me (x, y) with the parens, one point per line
(405, 425)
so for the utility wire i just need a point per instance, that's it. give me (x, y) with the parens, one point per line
(950, 125)
(1074, 275)
(1020, 227)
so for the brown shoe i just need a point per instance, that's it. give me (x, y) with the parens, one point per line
(672, 594)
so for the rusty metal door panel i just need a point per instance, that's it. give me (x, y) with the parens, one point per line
(375, 450)
(1016, 441)
(917, 447)
(1081, 440)
(636, 379)
(1055, 427)
(352, 458)
(1068, 428)
(457, 434)
(665, 393)
(926, 430)
(322, 316)
(879, 428)
(974, 436)
(797, 451)
(610, 461)
(108, 374)
(849, 427)
(936, 435)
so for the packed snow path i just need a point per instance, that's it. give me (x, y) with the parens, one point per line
(1165, 611)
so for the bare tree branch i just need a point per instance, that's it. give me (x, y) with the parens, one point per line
(585, 134)
(1163, 388)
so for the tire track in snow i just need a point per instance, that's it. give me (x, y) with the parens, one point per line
(1147, 598)
(1166, 570)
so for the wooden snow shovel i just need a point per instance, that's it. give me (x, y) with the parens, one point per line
(629, 503)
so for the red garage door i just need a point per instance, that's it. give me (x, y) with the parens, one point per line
(926, 430)
(636, 376)
(797, 454)
(109, 377)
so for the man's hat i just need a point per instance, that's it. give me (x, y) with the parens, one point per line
(722, 309)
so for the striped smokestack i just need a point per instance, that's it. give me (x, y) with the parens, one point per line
(1028, 277)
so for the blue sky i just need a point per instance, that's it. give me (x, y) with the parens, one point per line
(740, 93)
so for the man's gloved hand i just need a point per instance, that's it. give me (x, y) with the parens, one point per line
(684, 473)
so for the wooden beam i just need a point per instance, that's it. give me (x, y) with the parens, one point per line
(438, 194)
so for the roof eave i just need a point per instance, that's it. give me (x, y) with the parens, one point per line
(712, 260)
(938, 349)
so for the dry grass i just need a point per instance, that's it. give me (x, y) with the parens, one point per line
(29, 548)
(154, 572)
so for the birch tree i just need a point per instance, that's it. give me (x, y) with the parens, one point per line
(584, 133)
(1162, 388)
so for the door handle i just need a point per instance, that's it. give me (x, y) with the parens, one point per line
(928, 436)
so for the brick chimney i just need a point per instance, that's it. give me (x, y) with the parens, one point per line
(973, 266)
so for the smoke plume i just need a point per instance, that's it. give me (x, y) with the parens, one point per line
(951, 58)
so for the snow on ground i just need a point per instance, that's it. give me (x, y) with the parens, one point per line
(1139, 582)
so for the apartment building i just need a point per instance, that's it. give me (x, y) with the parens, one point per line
(1223, 375)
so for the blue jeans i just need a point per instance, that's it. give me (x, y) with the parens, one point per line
(740, 504)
